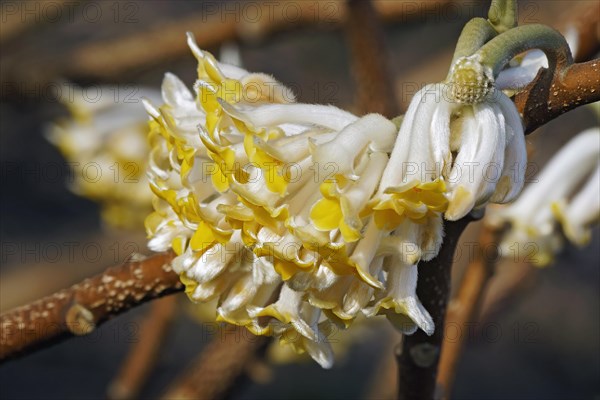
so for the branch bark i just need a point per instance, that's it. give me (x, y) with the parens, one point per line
(553, 93)
(79, 309)
(419, 355)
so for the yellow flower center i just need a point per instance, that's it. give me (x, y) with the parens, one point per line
(415, 201)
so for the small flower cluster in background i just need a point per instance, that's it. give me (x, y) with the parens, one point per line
(105, 144)
(563, 201)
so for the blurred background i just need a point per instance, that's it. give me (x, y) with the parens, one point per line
(541, 342)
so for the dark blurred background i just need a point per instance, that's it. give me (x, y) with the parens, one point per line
(545, 345)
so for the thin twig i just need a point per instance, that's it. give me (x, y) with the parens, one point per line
(106, 60)
(143, 355)
(419, 355)
(79, 309)
(220, 364)
(366, 40)
(463, 308)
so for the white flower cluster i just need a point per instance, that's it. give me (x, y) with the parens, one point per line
(299, 217)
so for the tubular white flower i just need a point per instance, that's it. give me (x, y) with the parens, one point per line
(525, 71)
(553, 198)
(292, 311)
(269, 115)
(492, 147)
(452, 133)
(399, 302)
(343, 150)
(311, 228)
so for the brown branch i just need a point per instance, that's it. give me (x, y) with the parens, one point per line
(551, 95)
(79, 309)
(44, 277)
(463, 308)
(144, 353)
(366, 40)
(220, 364)
(419, 355)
